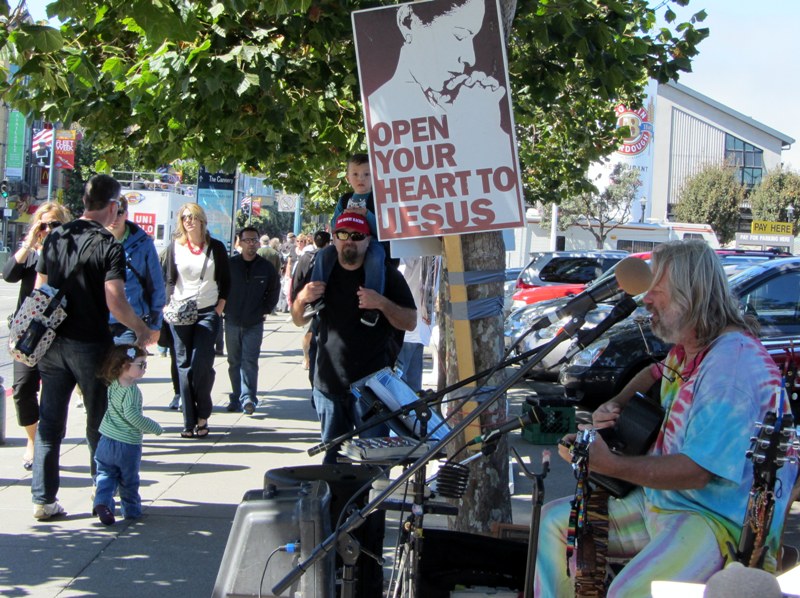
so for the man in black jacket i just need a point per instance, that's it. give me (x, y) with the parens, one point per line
(255, 287)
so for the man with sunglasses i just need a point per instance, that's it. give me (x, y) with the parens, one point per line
(83, 338)
(348, 351)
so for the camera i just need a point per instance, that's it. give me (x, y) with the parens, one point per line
(28, 342)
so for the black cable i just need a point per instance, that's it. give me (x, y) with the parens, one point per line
(264, 572)
(290, 547)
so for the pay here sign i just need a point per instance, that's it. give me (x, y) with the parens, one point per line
(438, 118)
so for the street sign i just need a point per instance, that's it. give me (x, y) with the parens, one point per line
(763, 227)
(763, 240)
(286, 202)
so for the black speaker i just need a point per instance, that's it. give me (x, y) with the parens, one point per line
(450, 559)
(345, 482)
(266, 520)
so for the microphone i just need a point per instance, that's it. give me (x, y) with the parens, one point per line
(621, 310)
(632, 275)
(534, 415)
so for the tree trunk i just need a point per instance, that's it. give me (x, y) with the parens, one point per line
(487, 498)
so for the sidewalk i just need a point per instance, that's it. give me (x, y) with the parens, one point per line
(190, 488)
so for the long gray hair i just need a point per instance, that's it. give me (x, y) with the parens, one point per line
(699, 288)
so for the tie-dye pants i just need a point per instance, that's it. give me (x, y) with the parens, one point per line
(673, 546)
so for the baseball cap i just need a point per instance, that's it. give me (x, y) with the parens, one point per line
(354, 222)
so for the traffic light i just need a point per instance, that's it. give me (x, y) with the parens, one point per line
(4, 189)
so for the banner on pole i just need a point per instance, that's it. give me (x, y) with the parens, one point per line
(65, 149)
(15, 153)
(439, 124)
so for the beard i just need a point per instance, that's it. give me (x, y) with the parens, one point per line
(667, 324)
(350, 255)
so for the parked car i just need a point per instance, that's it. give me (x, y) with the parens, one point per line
(770, 291)
(567, 267)
(553, 291)
(509, 288)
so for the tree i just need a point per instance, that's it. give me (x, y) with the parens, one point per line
(778, 190)
(601, 212)
(271, 85)
(712, 196)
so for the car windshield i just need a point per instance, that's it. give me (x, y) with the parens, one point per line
(578, 270)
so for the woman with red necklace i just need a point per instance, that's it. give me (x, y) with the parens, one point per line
(196, 268)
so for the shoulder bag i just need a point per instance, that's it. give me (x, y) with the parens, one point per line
(33, 327)
(183, 312)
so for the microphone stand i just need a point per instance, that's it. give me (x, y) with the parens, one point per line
(358, 518)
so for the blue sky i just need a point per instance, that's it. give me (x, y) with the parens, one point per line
(750, 62)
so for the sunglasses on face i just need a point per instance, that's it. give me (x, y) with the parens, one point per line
(50, 225)
(343, 235)
(189, 217)
(120, 212)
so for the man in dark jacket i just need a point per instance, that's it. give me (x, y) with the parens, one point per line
(255, 287)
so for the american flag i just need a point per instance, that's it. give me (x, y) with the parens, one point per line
(256, 201)
(43, 136)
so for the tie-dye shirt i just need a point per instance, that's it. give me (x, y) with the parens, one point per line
(710, 418)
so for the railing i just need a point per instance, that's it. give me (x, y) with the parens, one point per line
(153, 181)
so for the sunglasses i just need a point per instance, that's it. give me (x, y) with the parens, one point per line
(343, 235)
(189, 217)
(50, 225)
(120, 212)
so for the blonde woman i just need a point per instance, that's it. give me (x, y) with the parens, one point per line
(22, 268)
(196, 267)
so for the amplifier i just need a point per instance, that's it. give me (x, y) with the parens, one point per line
(266, 520)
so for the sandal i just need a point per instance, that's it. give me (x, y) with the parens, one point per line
(201, 431)
(187, 433)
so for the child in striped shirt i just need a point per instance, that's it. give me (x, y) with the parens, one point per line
(119, 452)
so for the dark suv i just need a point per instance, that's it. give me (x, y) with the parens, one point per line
(770, 291)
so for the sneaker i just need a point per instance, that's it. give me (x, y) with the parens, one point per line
(43, 512)
(312, 309)
(175, 403)
(234, 407)
(104, 514)
(249, 407)
(370, 317)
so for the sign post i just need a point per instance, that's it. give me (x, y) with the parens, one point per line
(440, 133)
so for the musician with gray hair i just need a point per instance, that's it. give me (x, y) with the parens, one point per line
(684, 521)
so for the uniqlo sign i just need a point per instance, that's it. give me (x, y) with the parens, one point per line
(146, 221)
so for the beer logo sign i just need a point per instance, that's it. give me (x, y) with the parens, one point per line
(641, 130)
(134, 198)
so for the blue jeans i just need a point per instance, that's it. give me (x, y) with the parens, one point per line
(244, 349)
(340, 414)
(118, 465)
(68, 362)
(194, 357)
(374, 265)
(409, 362)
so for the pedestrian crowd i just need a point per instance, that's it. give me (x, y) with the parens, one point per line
(126, 297)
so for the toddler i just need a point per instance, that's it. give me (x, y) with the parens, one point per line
(119, 452)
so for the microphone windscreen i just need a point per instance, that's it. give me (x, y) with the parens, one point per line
(738, 581)
(633, 275)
